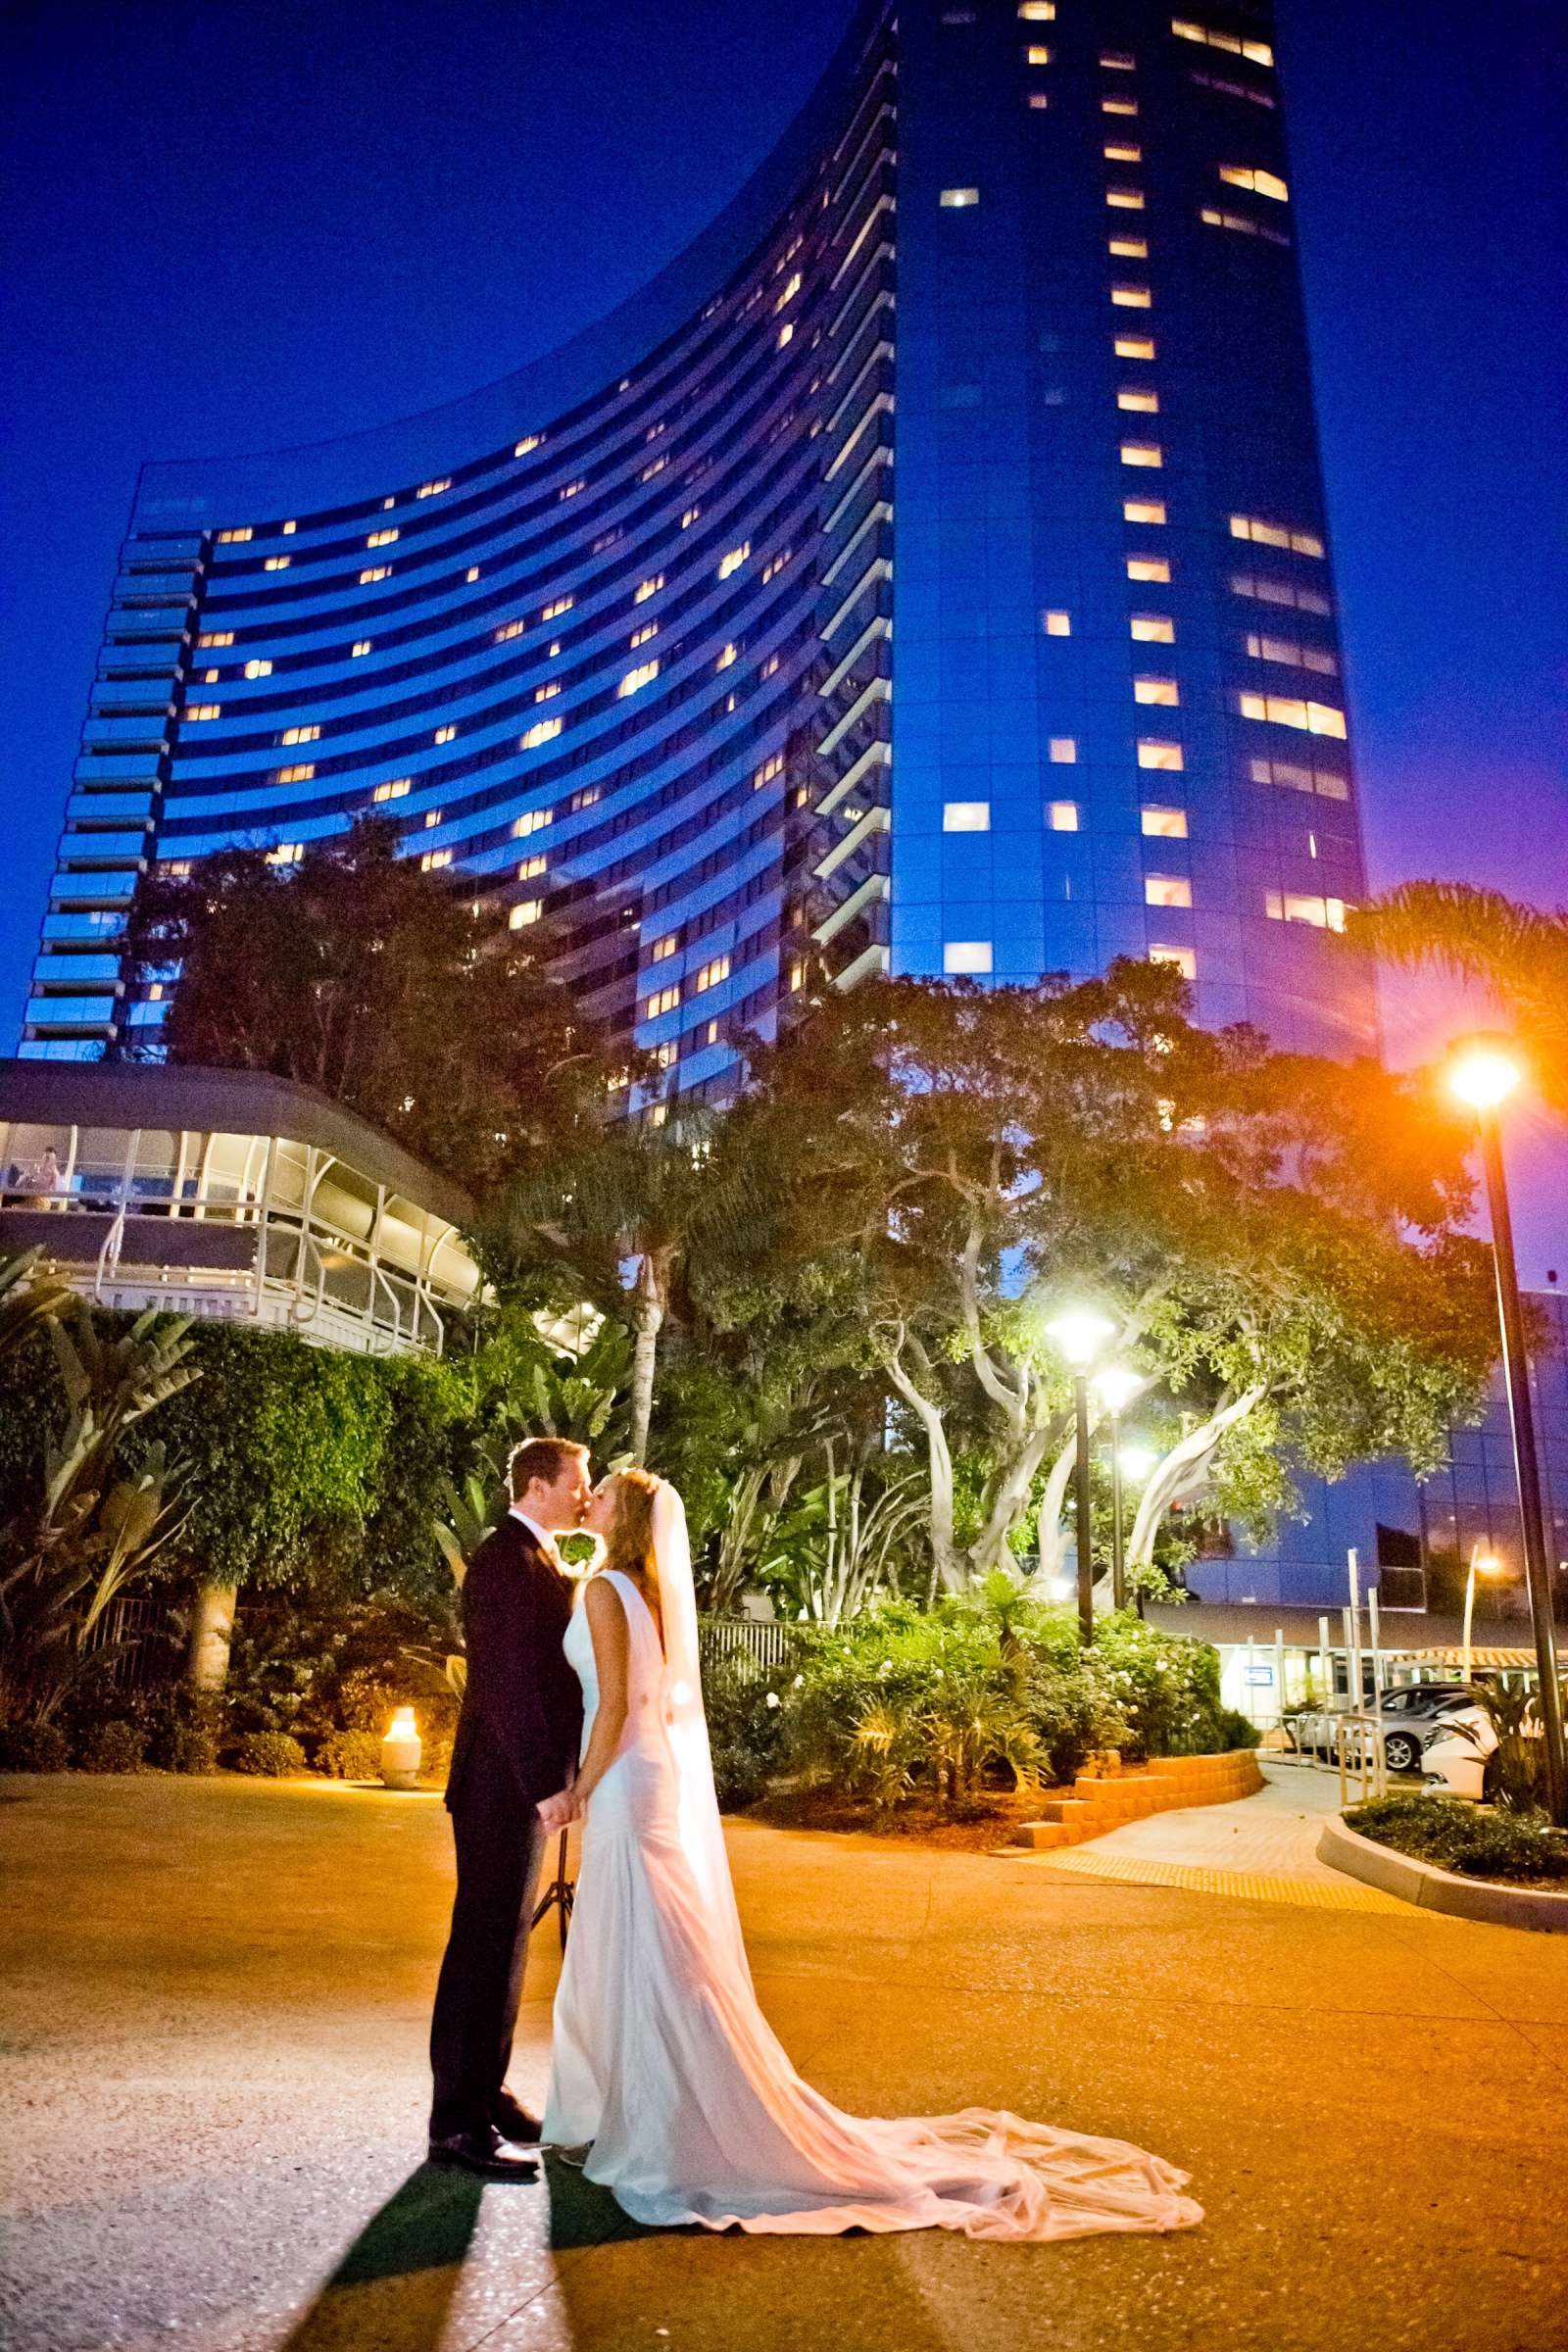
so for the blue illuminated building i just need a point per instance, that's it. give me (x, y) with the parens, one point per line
(927, 570)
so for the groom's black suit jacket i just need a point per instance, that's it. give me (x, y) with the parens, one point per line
(521, 1718)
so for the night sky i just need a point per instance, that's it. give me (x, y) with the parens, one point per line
(238, 226)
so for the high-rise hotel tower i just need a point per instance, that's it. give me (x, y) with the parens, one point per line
(930, 564)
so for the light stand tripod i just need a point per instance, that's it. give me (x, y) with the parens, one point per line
(559, 1895)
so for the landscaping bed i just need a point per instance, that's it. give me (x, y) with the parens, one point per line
(1471, 1842)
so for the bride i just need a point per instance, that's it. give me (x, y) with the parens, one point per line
(662, 2059)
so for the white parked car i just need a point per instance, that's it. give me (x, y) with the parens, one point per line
(1456, 1753)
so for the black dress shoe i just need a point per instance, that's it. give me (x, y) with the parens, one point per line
(514, 2121)
(481, 2152)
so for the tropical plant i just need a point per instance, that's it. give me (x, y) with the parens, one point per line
(844, 1541)
(1516, 1769)
(1519, 954)
(92, 1524)
(30, 1297)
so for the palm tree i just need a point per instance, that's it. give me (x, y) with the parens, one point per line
(1518, 952)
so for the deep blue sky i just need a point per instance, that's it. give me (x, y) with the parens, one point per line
(241, 223)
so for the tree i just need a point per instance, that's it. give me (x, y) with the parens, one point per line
(1518, 952)
(355, 972)
(978, 1157)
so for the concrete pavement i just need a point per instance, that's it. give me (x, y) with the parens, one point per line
(213, 2081)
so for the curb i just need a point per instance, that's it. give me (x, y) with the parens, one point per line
(1433, 1889)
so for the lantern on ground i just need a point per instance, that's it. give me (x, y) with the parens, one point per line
(401, 1751)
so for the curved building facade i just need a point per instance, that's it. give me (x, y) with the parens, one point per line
(641, 639)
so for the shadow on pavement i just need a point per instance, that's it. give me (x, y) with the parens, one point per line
(581, 2214)
(393, 2288)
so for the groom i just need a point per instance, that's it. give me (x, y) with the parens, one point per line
(518, 1739)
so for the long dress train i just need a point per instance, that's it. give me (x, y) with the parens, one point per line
(665, 2062)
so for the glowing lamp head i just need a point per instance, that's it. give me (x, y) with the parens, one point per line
(1136, 1461)
(1080, 1333)
(1117, 1387)
(1487, 1563)
(1483, 1071)
(402, 1725)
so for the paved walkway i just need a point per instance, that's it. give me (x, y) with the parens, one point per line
(1261, 1848)
(213, 2082)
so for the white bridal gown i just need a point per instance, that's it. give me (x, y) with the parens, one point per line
(663, 2060)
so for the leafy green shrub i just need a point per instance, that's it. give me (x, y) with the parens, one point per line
(745, 1728)
(115, 1746)
(191, 1747)
(1471, 1839)
(1236, 1729)
(180, 1727)
(270, 1756)
(1166, 1686)
(349, 1756)
(34, 1748)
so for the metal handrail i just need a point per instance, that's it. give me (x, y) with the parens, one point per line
(1369, 1765)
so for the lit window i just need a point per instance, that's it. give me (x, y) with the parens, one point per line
(570, 489)
(1331, 786)
(770, 767)
(639, 595)
(178, 869)
(1118, 61)
(300, 774)
(1284, 711)
(210, 677)
(710, 974)
(1118, 106)
(521, 449)
(734, 559)
(1037, 12)
(1131, 298)
(1128, 249)
(543, 730)
(649, 628)
(662, 947)
(1152, 629)
(646, 474)
(791, 290)
(966, 956)
(433, 861)
(533, 821)
(664, 999)
(711, 1034)
(548, 692)
(527, 912)
(509, 630)
(1143, 510)
(775, 563)
(560, 604)
(667, 1055)
(586, 798)
(532, 867)
(278, 562)
(1037, 100)
(435, 489)
(204, 710)
(301, 735)
(1134, 347)
(1148, 567)
(432, 817)
(1292, 906)
(1168, 890)
(1037, 54)
(642, 675)
(1151, 754)
(966, 817)
(1142, 453)
(786, 333)
(287, 852)
(217, 637)
(1163, 824)
(958, 200)
(1275, 534)
(361, 645)
(472, 573)
(230, 538)
(689, 517)
(1133, 396)
(394, 788)
(258, 669)
(726, 657)
(1056, 624)
(374, 571)
(1063, 816)
(1164, 691)
(771, 665)
(1063, 751)
(654, 430)
(1183, 958)
(445, 734)
(1261, 184)
(1122, 151)
(1287, 650)
(381, 538)
(1258, 52)
(1125, 200)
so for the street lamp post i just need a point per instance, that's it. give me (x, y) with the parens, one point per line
(1483, 1563)
(1080, 1333)
(1483, 1073)
(1116, 1388)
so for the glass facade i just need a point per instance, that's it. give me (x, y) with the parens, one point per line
(614, 639)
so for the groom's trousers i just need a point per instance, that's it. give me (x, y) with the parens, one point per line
(501, 1850)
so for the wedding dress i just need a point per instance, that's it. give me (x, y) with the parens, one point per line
(665, 2062)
